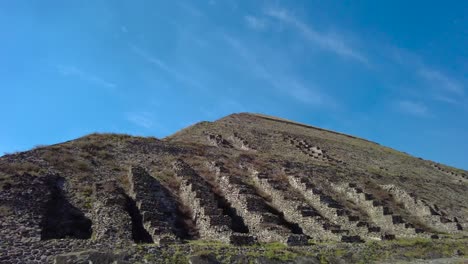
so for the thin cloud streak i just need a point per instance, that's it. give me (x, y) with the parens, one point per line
(73, 71)
(142, 119)
(433, 82)
(329, 42)
(280, 81)
(255, 23)
(441, 81)
(413, 108)
(179, 76)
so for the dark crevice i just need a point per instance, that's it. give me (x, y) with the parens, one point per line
(293, 227)
(139, 233)
(238, 224)
(62, 219)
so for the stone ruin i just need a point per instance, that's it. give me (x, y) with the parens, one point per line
(267, 206)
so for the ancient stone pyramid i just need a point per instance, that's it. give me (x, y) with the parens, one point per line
(243, 179)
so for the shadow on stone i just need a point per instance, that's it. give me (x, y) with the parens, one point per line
(238, 224)
(139, 233)
(293, 227)
(62, 219)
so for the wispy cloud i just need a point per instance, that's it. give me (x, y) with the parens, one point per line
(142, 119)
(413, 108)
(280, 80)
(72, 71)
(255, 23)
(441, 81)
(329, 41)
(445, 99)
(432, 81)
(179, 76)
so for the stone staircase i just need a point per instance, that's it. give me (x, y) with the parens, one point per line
(297, 210)
(262, 223)
(429, 215)
(379, 212)
(155, 204)
(198, 195)
(333, 210)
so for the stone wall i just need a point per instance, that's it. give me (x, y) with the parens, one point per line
(110, 213)
(23, 206)
(26, 229)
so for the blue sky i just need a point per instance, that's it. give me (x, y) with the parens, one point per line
(394, 72)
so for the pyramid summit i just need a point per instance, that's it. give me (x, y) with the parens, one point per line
(259, 188)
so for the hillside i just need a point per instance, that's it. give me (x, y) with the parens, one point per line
(247, 187)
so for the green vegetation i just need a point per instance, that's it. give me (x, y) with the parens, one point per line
(370, 252)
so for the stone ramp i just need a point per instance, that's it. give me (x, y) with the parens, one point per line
(332, 209)
(297, 210)
(157, 207)
(199, 196)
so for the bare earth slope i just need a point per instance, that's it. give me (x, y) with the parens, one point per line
(244, 180)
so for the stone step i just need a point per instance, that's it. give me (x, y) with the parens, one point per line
(295, 208)
(262, 223)
(332, 209)
(380, 213)
(200, 198)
